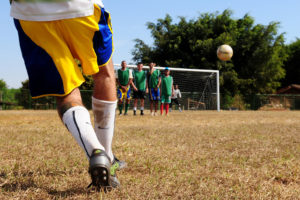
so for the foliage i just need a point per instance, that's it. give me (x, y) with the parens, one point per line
(2, 84)
(25, 100)
(259, 52)
(292, 65)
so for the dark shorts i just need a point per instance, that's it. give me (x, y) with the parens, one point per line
(139, 94)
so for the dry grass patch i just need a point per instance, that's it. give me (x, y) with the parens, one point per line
(189, 155)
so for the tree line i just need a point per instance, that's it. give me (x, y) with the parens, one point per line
(261, 64)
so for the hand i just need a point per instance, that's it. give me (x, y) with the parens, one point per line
(155, 89)
(147, 91)
(123, 88)
(135, 89)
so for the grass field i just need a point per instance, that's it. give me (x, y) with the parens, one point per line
(189, 155)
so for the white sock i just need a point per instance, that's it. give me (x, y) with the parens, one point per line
(104, 114)
(142, 108)
(134, 108)
(78, 122)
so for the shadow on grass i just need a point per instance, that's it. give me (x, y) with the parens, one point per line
(67, 193)
(28, 183)
(17, 186)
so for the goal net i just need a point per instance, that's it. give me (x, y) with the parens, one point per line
(199, 88)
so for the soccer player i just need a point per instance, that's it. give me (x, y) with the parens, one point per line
(174, 99)
(124, 80)
(154, 81)
(167, 90)
(51, 35)
(140, 87)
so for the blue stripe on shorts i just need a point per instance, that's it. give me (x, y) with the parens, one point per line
(103, 39)
(43, 75)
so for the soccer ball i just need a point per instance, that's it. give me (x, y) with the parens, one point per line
(224, 52)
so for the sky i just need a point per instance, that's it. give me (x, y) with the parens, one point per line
(129, 20)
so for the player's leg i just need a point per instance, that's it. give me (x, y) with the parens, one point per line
(52, 70)
(157, 98)
(179, 105)
(142, 102)
(151, 101)
(104, 105)
(167, 108)
(135, 101)
(161, 108)
(167, 102)
(162, 104)
(104, 102)
(77, 120)
(151, 107)
(171, 104)
(120, 100)
(127, 101)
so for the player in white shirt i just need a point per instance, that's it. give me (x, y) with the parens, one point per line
(174, 99)
(52, 34)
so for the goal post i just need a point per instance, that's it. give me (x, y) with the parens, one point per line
(200, 88)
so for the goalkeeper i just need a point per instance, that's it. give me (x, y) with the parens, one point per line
(174, 99)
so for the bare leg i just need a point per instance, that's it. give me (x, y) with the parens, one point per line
(77, 119)
(66, 102)
(135, 102)
(142, 103)
(104, 106)
(105, 83)
(151, 106)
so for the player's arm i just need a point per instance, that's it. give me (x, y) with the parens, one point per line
(118, 83)
(179, 93)
(159, 82)
(133, 85)
(130, 82)
(147, 90)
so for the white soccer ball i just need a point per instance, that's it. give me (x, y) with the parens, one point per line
(224, 52)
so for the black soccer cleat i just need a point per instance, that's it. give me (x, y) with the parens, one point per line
(100, 170)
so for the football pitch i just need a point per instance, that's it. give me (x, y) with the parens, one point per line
(188, 155)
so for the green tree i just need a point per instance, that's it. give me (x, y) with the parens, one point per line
(259, 50)
(292, 65)
(3, 84)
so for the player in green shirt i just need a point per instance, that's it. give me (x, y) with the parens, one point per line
(167, 89)
(153, 84)
(140, 87)
(124, 80)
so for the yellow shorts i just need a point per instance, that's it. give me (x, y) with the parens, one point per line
(49, 49)
(123, 95)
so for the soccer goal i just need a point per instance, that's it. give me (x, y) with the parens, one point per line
(199, 88)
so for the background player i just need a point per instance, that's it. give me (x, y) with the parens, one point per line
(167, 90)
(124, 80)
(51, 36)
(174, 99)
(140, 87)
(154, 81)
